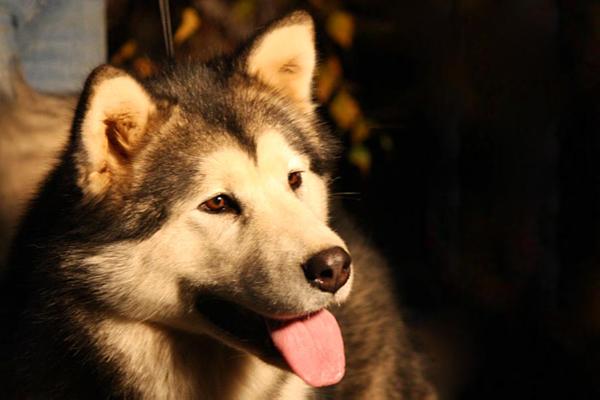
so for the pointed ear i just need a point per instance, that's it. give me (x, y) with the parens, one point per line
(115, 112)
(284, 56)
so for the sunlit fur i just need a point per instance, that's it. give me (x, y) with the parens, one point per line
(114, 253)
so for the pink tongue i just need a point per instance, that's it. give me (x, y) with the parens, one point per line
(313, 347)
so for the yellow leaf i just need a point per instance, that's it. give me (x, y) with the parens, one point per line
(344, 109)
(340, 26)
(361, 131)
(126, 52)
(144, 67)
(329, 76)
(190, 23)
(361, 158)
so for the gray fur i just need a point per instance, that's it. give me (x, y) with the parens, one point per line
(111, 287)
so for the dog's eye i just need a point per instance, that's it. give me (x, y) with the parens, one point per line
(295, 179)
(220, 204)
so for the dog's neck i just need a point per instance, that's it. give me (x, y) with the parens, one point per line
(158, 362)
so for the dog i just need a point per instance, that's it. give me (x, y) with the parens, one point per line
(184, 248)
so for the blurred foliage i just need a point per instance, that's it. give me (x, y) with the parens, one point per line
(190, 23)
(204, 28)
(340, 27)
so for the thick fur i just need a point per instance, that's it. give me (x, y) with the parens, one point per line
(118, 265)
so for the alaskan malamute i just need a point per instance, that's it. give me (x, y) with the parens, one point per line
(182, 247)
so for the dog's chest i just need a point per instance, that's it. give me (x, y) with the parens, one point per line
(161, 365)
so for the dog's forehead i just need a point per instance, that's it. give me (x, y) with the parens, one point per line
(222, 146)
(272, 156)
(216, 108)
(213, 113)
(273, 148)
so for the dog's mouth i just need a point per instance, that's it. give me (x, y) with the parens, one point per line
(310, 345)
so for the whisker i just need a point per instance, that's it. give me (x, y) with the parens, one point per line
(346, 195)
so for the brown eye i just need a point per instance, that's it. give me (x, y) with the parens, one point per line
(295, 179)
(219, 204)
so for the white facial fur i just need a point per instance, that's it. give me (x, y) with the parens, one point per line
(253, 258)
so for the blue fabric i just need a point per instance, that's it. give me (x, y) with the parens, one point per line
(56, 42)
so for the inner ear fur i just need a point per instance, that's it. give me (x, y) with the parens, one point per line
(284, 57)
(117, 111)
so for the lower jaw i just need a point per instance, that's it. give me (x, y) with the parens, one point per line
(311, 346)
(241, 328)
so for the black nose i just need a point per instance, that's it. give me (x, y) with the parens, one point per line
(328, 269)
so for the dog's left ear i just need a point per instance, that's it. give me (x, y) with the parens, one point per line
(284, 57)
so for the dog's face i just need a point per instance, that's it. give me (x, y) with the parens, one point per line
(213, 181)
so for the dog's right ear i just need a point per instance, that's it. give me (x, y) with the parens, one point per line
(114, 114)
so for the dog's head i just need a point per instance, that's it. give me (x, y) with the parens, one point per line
(210, 188)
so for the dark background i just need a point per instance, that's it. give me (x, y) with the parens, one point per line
(472, 131)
